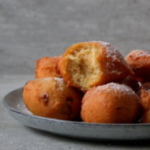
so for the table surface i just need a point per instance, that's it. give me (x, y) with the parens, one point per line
(15, 136)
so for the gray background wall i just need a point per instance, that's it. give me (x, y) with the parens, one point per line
(30, 29)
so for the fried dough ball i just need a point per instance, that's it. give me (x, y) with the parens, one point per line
(139, 60)
(51, 97)
(88, 64)
(110, 103)
(47, 67)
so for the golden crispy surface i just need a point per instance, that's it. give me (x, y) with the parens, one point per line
(50, 97)
(47, 67)
(110, 103)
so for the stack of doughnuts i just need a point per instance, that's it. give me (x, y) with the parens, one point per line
(92, 82)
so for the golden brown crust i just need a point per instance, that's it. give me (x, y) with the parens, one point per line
(47, 67)
(88, 64)
(50, 97)
(110, 103)
(139, 60)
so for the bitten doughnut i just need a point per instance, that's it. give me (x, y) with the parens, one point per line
(88, 64)
(51, 97)
(47, 67)
(139, 60)
(110, 103)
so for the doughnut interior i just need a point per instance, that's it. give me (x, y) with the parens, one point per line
(85, 74)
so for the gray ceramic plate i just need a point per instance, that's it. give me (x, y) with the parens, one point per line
(14, 104)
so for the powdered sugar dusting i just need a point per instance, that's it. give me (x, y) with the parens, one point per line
(104, 43)
(113, 53)
(108, 46)
(50, 78)
(114, 56)
(115, 87)
(59, 81)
